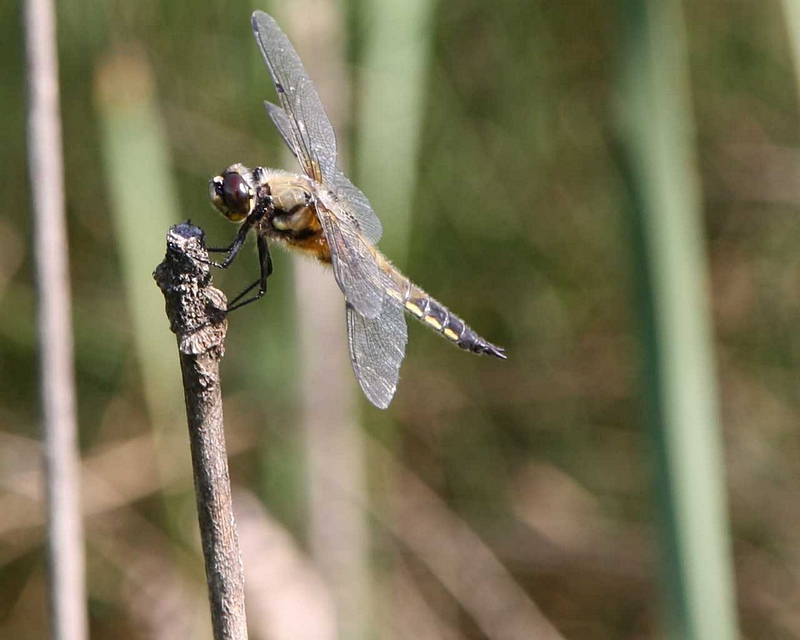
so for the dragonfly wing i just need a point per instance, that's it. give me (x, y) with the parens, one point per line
(355, 264)
(281, 122)
(355, 203)
(352, 199)
(377, 349)
(311, 135)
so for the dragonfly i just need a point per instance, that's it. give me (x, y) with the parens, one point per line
(322, 214)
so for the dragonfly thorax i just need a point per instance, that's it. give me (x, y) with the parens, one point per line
(289, 193)
(292, 201)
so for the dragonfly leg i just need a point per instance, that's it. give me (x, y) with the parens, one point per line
(234, 249)
(265, 260)
(263, 204)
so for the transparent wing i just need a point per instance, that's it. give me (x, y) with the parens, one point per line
(356, 204)
(377, 349)
(347, 219)
(353, 202)
(311, 135)
(355, 264)
(281, 122)
(346, 224)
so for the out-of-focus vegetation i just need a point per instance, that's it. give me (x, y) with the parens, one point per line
(530, 478)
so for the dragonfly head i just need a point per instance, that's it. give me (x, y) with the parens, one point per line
(232, 193)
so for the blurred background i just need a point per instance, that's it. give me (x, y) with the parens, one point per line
(492, 499)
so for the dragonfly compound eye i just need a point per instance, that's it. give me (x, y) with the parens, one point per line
(236, 195)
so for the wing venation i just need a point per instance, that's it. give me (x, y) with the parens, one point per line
(377, 349)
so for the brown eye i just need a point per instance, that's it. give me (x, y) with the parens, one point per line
(236, 193)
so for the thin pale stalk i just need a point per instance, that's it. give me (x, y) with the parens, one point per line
(62, 457)
(681, 390)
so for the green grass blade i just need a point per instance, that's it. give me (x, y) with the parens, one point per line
(657, 124)
(139, 173)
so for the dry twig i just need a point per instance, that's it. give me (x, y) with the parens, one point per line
(196, 313)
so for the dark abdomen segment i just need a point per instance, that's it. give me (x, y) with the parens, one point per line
(434, 314)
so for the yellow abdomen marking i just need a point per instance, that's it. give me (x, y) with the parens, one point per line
(414, 309)
(433, 322)
(451, 334)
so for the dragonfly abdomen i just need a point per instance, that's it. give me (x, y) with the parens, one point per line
(434, 314)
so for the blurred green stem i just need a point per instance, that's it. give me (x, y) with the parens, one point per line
(392, 75)
(139, 174)
(792, 10)
(681, 391)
